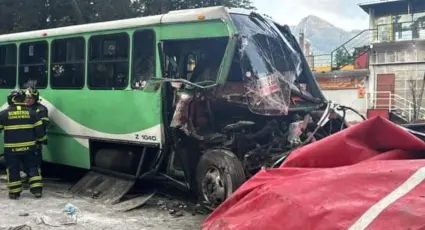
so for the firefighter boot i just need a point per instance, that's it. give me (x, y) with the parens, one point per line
(37, 192)
(38, 195)
(14, 196)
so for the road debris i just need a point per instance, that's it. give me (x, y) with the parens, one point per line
(45, 220)
(72, 212)
(52, 212)
(21, 227)
(70, 218)
(132, 203)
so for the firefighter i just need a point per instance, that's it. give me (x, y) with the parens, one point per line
(33, 100)
(23, 130)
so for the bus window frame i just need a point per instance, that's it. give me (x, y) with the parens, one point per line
(84, 62)
(47, 64)
(154, 47)
(89, 62)
(15, 64)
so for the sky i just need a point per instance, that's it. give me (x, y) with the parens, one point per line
(345, 14)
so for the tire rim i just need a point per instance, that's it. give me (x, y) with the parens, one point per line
(213, 187)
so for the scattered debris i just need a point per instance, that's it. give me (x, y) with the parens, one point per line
(133, 203)
(20, 227)
(70, 209)
(105, 189)
(72, 214)
(47, 221)
(201, 210)
(174, 208)
(178, 208)
(50, 213)
(175, 213)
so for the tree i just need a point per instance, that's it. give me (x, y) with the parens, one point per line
(417, 96)
(342, 58)
(28, 15)
(25, 15)
(152, 7)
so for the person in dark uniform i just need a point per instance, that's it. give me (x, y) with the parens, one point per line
(33, 101)
(23, 130)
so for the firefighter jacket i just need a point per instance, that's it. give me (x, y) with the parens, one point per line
(23, 129)
(43, 114)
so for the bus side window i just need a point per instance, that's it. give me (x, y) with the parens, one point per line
(67, 68)
(209, 55)
(108, 61)
(8, 66)
(143, 57)
(235, 73)
(33, 61)
(191, 62)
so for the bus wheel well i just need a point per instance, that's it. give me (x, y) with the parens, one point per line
(121, 157)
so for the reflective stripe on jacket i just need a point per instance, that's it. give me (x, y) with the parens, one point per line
(23, 129)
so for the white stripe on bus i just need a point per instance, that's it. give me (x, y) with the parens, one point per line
(72, 127)
(372, 213)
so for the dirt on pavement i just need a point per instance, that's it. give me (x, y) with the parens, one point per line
(47, 213)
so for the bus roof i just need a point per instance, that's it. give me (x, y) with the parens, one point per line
(190, 15)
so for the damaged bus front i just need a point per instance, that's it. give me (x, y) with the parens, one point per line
(238, 104)
(204, 97)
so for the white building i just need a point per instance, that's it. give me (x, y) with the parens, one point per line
(397, 56)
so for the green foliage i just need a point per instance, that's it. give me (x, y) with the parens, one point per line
(26, 15)
(342, 58)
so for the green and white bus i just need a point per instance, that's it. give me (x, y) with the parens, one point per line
(204, 97)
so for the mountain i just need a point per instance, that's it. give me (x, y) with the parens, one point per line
(322, 35)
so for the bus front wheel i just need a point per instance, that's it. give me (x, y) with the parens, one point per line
(219, 173)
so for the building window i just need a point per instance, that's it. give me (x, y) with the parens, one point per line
(383, 28)
(67, 68)
(108, 61)
(143, 57)
(390, 57)
(384, 33)
(8, 66)
(419, 25)
(402, 27)
(401, 56)
(411, 56)
(33, 61)
(421, 55)
(373, 57)
(381, 57)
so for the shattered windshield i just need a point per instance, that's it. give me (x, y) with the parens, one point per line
(269, 62)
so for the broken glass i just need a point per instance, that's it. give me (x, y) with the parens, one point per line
(269, 62)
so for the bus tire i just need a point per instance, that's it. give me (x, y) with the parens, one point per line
(219, 173)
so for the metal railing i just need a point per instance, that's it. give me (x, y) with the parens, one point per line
(401, 31)
(395, 104)
(345, 54)
(318, 62)
(355, 47)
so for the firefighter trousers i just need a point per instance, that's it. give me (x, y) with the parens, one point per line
(39, 156)
(30, 162)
